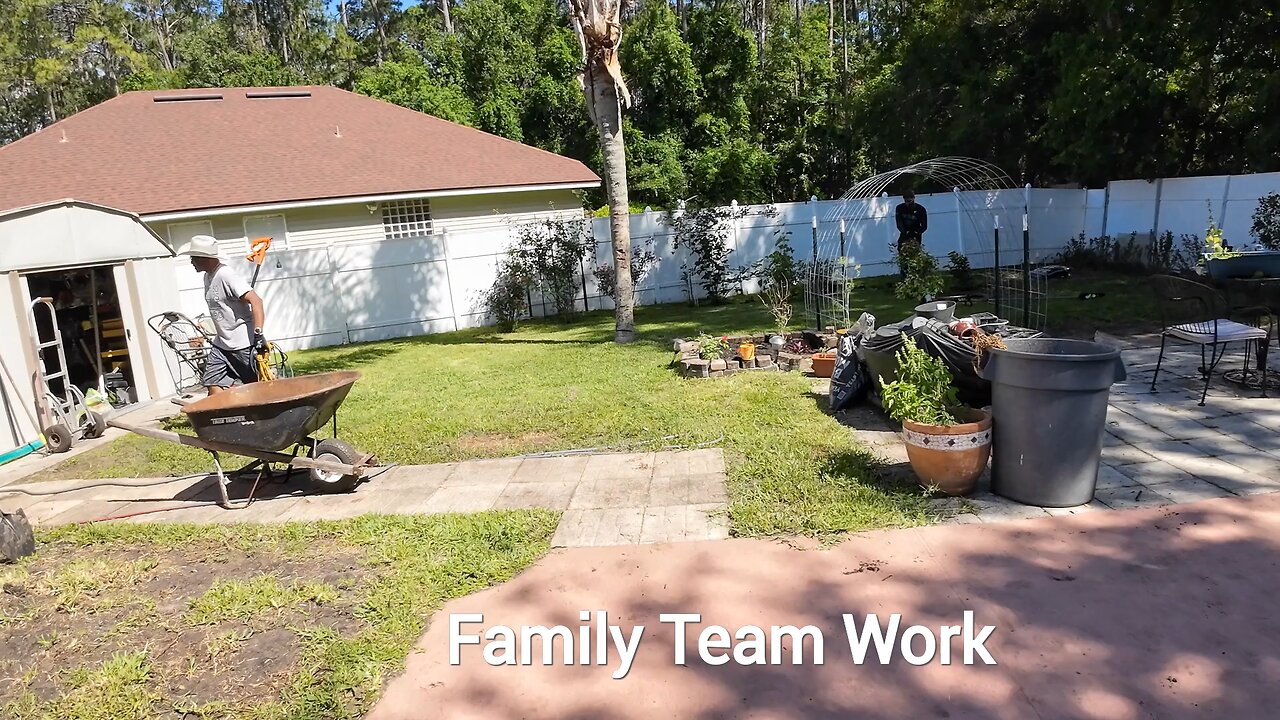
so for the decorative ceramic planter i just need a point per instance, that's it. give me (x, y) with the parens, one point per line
(950, 457)
(824, 363)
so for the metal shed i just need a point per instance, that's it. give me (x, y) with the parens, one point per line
(107, 272)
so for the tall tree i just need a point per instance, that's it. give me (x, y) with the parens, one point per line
(599, 28)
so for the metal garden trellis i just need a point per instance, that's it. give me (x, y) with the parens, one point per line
(1019, 293)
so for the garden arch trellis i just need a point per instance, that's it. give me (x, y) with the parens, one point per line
(982, 192)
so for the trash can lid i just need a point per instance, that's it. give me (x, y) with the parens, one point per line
(1059, 349)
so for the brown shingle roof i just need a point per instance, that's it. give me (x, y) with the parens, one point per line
(147, 156)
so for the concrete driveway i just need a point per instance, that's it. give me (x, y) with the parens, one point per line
(1150, 613)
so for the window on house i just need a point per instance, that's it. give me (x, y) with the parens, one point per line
(406, 219)
(181, 233)
(272, 226)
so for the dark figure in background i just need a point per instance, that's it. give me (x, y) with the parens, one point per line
(913, 221)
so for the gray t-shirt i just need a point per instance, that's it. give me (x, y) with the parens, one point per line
(232, 316)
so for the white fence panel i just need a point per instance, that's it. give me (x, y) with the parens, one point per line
(367, 290)
(1131, 207)
(1056, 216)
(1243, 192)
(1185, 204)
(1095, 213)
(393, 288)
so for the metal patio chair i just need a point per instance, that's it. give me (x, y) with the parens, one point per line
(1198, 314)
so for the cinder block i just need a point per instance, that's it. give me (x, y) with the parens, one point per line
(695, 368)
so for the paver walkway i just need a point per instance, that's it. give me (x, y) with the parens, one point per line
(607, 498)
(1161, 448)
(1153, 613)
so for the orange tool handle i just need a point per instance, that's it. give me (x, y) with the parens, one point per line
(258, 250)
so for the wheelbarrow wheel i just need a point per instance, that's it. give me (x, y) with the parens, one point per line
(335, 450)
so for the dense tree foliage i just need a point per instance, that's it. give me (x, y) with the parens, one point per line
(758, 100)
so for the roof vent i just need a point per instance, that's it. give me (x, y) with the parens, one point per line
(261, 94)
(185, 98)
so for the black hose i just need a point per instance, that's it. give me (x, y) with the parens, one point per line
(105, 483)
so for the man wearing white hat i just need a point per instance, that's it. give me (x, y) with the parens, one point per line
(236, 311)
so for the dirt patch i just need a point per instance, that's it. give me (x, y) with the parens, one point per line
(498, 444)
(74, 608)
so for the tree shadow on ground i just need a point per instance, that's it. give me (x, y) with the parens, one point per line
(349, 357)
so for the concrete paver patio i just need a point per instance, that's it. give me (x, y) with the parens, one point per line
(1156, 613)
(1160, 448)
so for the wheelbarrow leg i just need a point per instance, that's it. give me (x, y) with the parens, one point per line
(222, 486)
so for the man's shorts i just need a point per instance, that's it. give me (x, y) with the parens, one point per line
(224, 368)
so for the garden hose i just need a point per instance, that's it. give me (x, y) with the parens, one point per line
(264, 365)
(22, 490)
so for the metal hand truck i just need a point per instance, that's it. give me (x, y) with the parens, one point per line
(65, 415)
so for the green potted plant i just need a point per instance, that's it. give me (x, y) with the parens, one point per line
(711, 347)
(948, 444)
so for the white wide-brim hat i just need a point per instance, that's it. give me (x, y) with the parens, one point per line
(204, 246)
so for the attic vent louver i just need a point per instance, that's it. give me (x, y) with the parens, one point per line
(185, 98)
(278, 94)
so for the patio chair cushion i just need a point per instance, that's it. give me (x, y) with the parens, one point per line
(1228, 331)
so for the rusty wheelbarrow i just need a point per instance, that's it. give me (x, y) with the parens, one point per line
(263, 420)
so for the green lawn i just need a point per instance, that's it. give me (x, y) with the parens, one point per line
(549, 386)
(243, 622)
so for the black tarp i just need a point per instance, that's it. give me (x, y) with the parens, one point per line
(879, 351)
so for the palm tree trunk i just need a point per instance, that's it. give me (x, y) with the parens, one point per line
(599, 29)
(606, 112)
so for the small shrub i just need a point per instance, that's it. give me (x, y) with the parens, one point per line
(923, 392)
(777, 299)
(702, 232)
(921, 279)
(1188, 256)
(507, 299)
(642, 260)
(961, 271)
(798, 347)
(1266, 221)
(549, 253)
(1125, 254)
(780, 267)
(711, 347)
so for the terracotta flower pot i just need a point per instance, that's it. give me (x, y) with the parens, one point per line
(950, 457)
(824, 363)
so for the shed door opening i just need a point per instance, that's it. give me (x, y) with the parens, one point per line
(94, 337)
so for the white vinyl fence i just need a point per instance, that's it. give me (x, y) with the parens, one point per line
(372, 290)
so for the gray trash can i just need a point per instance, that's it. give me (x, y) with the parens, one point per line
(1049, 413)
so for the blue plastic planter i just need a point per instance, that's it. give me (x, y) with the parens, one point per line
(1254, 263)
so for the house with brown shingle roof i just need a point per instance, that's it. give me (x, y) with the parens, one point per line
(384, 222)
(317, 156)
